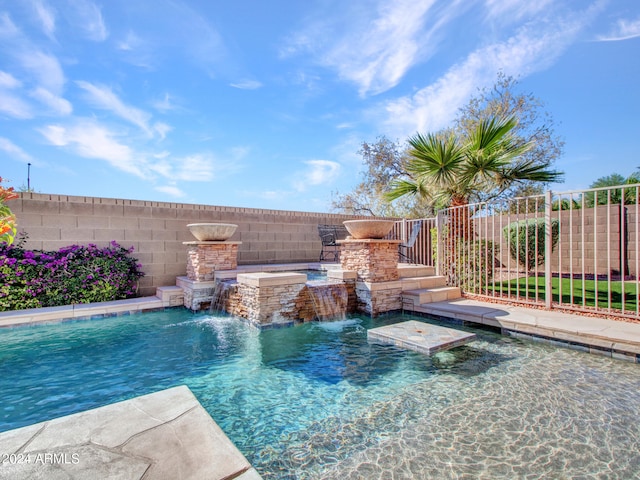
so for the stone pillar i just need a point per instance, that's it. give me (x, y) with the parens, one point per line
(374, 260)
(204, 258)
(267, 299)
(378, 289)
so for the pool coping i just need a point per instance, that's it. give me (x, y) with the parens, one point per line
(84, 311)
(167, 434)
(601, 336)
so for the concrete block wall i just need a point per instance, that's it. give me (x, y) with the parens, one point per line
(157, 230)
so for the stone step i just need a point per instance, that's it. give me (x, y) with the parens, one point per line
(430, 295)
(416, 283)
(409, 270)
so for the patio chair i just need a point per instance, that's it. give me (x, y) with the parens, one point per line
(405, 248)
(329, 236)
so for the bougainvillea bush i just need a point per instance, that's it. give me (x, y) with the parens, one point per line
(74, 274)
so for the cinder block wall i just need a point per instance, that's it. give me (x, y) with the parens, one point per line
(606, 250)
(157, 230)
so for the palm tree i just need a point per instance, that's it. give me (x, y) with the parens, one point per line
(452, 170)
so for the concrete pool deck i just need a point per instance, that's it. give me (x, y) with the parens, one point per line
(162, 435)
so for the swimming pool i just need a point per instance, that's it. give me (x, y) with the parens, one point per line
(318, 401)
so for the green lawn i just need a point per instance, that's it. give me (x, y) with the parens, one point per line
(526, 287)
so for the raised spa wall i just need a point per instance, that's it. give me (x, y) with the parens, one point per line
(365, 281)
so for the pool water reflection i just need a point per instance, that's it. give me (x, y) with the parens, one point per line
(318, 401)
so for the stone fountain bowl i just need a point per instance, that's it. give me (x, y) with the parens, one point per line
(212, 232)
(361, 229)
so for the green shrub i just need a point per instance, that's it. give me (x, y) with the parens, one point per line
(468, 264)
(526, 240)
(471, 264)
(434, 244)
(74, 274)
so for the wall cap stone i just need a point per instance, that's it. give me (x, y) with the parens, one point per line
(211, 242)
(264, 279)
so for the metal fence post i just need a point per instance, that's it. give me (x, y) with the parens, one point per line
(548, 248)
(439, 243)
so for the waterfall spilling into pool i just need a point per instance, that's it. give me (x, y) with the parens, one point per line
(221, 294)
(330, 299)
(366, 280)
(267, 298)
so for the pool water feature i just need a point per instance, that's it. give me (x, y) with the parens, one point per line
(318, 401)
(330, 299)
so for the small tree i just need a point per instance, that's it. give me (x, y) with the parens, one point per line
(383, 160)
(386, 161)
(535, 126)
(526, 240)
(614, 196)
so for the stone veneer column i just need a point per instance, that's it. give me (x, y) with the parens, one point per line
(374, 260)
(269, 298)
(376, 263)
(204, 258)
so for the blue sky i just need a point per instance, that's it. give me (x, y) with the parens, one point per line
(264, 104)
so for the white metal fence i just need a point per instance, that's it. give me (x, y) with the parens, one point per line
(581, 246)
(418, 237)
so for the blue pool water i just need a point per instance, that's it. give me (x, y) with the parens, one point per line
(318, 401)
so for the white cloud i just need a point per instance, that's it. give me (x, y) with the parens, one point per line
(162, 129)
(58, 105)
(512, 10)
(622, 30)
(41, 71)
(103, 97)
(88, 18)
(165, 104)
(192, 168)
(89, 139)
(46, 16)
(44, 67)
(15, 151)
(140, 52)
(318, 172)
(373, 46)
(195, 168)
(171, 190)
(14, 106)
(130, 42)
(533, 48)
(7, 28)
(247, 84)
(9, 81)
